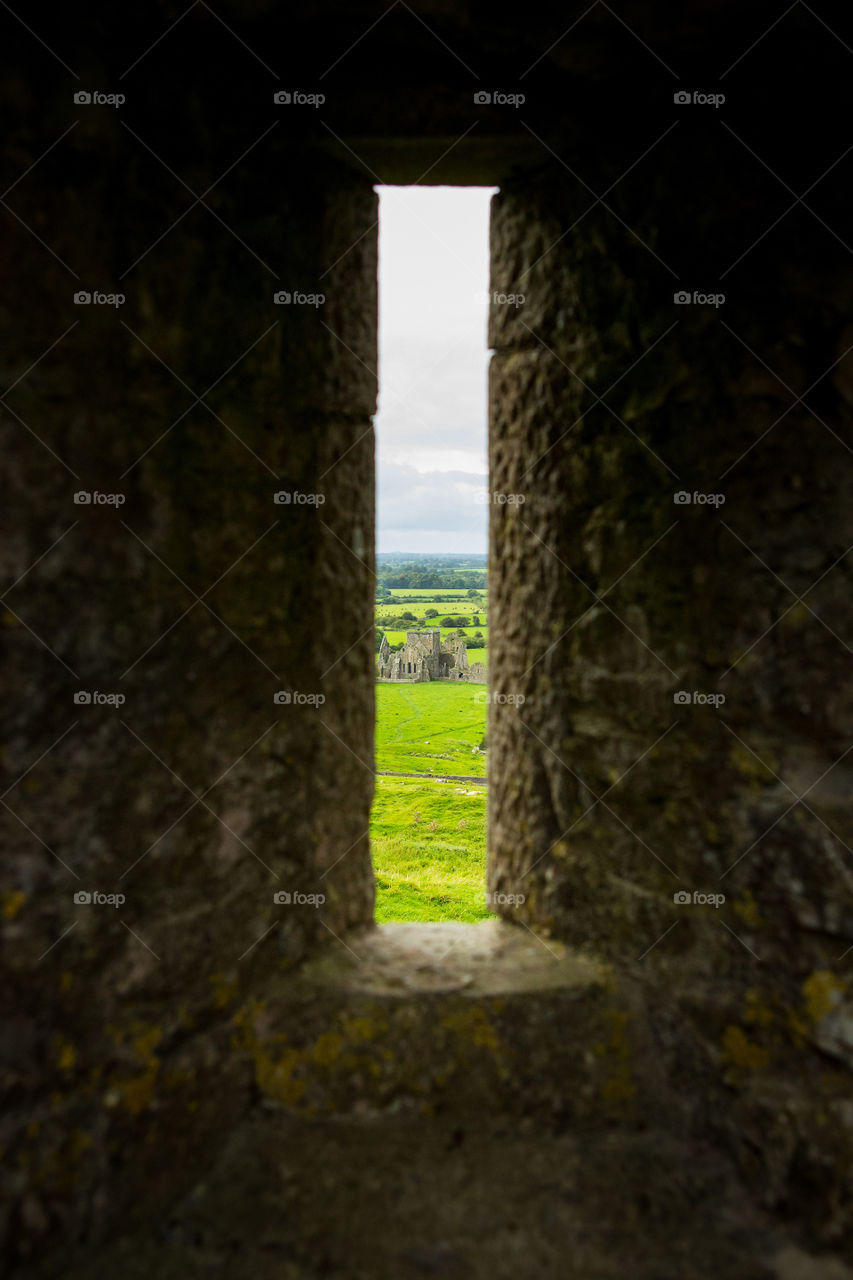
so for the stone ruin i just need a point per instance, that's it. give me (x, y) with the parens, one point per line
(425, 656)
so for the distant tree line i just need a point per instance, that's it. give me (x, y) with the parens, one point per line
(476, 641)
(433, 579)
(407, 621)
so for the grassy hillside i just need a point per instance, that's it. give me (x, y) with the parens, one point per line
(431, 728)
(428, 843)
(428, 838)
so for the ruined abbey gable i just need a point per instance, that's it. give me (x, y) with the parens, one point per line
(425, 656)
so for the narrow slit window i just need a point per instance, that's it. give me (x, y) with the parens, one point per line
(428, 824)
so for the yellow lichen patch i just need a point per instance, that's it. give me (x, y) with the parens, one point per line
(328, 1048)
(65, 980)
(617, 1041)
(136, 1094)
(274, 1075)
(224, 989)
(797, 1026)
(757, 1011)
(749, 766)
(145, 1042)
(796, 616)
(185, 1017)
(66, 1054)
(618, 1024)
(746, 908)
(741, 1052)
(362, 1028)
(11, 901)
(472, 1024)
(619, 1089)
(276, 1078)
(822, 990)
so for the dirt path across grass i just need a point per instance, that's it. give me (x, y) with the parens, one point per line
(432, 777)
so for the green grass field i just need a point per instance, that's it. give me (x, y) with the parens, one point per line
(428, 844)
(428, 838)
(431, 728)
(417, 601)
(451, 610)
(425, 593)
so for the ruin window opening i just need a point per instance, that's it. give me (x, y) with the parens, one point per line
(432, 530)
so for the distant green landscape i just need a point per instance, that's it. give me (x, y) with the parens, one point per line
(421, 592)
(428, 833)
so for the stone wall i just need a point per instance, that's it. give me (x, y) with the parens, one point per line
(671, 618)
(197, 601)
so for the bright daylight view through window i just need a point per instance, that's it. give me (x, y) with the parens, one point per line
(428, 827)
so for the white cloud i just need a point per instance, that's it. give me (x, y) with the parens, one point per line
(430, 510)
(431, 424)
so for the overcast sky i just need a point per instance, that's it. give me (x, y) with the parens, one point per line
(431, 424)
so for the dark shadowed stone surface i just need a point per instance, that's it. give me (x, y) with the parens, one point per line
(400, 1082)
(198, 599)
(609, 598)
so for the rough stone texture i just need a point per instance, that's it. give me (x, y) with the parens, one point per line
(197, 600)
(609, 403)
(641, 597)
(401, 1082)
